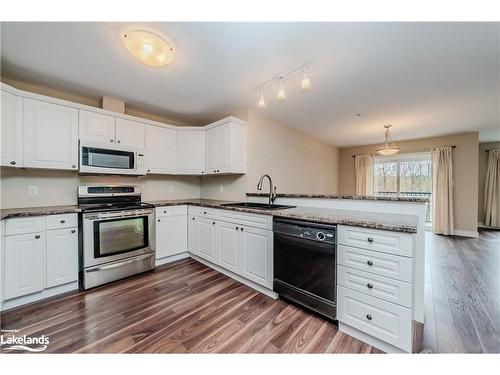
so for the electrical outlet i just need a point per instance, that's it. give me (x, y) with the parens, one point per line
(32, 190)
(221, 188)
(172, 188)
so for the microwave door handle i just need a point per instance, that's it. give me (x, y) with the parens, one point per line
(116, 265)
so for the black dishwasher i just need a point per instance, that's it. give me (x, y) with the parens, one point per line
(304, 264)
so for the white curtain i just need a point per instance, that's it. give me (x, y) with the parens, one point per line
(442, 191)
(363, 169)
(492, 190)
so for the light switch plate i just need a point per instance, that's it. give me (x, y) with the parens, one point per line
(33, 190)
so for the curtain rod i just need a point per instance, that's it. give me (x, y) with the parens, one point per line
(453, 146)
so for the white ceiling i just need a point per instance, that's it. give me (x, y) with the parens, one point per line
(426, 79)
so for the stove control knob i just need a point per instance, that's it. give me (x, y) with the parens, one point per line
(320, 236)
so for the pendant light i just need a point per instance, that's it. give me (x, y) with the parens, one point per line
(261, 103)
(389, 146)
(281, 92)
(306, 83)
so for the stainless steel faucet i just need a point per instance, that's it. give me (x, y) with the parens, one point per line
(272, 191)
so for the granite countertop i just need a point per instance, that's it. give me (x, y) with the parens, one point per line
(391, 222)
(345, 196)
(37, 211)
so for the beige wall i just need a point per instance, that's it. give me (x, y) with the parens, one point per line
(60, 187)
(296, 162)
(483, 165)
(465, 160)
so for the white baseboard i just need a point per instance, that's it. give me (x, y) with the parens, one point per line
(467, 233)
(251, 284)
(170, 259)
(370, 340)
(46, 293)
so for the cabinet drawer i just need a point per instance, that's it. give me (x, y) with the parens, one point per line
(22, 225)
(378, 240)
(179, 210)
(395, 291)
(386, 321)
(393, 266)
(62, 221)
(208, 213)
(252, 220)
(163, 211)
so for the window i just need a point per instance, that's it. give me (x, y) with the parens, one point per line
(407, 175)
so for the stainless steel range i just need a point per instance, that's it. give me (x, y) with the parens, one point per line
(117, 233)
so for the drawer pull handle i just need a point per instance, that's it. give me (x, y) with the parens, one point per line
(37, 236)
(159, 220)
(193, 218)
(369, 286)
(63, 221)
(370, 262)
(370, 240)
(241, 229)
(368, 316)
(205, 212)
(213, 222)
(73, 230)
(237, 228)
(164, 212)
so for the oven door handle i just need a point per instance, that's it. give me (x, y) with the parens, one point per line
(116, 265)
(117, 216)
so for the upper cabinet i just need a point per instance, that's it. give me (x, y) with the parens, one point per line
(130, 133)
(50, 135)
(11, 152)
(97, 127)
(160, 150)
(102, 128)
(191, 152)
(226, 147)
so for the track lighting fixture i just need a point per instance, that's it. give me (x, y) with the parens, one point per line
(281, 92)
(306, 83)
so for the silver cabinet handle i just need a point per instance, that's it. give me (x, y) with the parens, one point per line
(111, 266)
(37, 236)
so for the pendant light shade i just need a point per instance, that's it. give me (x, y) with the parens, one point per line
(389, 146)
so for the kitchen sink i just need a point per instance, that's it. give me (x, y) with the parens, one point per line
(259, 206)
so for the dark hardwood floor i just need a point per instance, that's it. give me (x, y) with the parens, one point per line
(186, 307)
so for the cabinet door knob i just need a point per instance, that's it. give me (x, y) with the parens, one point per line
(202, 172)
(158, 220)
(217, 171)
(370, 240)
(63, 221)
(118, 141)
(213, 222)
(369, 286)
(205, 212)
(149, 170)
(370, 262)
(237, 228)
(193, 218)
(164, 212)
(37, 236)
(13, 162)
(111, 140)
(241, 229)
(73, 230)
(73, 166)
(368, 316)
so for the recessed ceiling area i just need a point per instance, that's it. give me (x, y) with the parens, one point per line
(426, 79)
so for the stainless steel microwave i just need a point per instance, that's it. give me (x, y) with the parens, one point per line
(97, 158)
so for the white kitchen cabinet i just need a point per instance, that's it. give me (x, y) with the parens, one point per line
(25, 271)
(229, 246)
(130, 133)
(171, 235)
(192, 234)
(50, 135)
(160, 150)
(257, 255)
(97, 127)
(207, 239)
(11, 152)
(62, 256)
(226, 147)
(190, 152)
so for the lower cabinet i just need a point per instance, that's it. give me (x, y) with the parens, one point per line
(257, 255)
(207, 239)
(229, 244)
(171, 235)
(25, 271)
(62, 256)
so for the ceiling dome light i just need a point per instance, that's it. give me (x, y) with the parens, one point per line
(306, 83)
(281, 92)
(389, 146)
(261, 103)
(148, 48)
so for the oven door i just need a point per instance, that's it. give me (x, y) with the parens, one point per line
(97, 158)
(113, 236)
